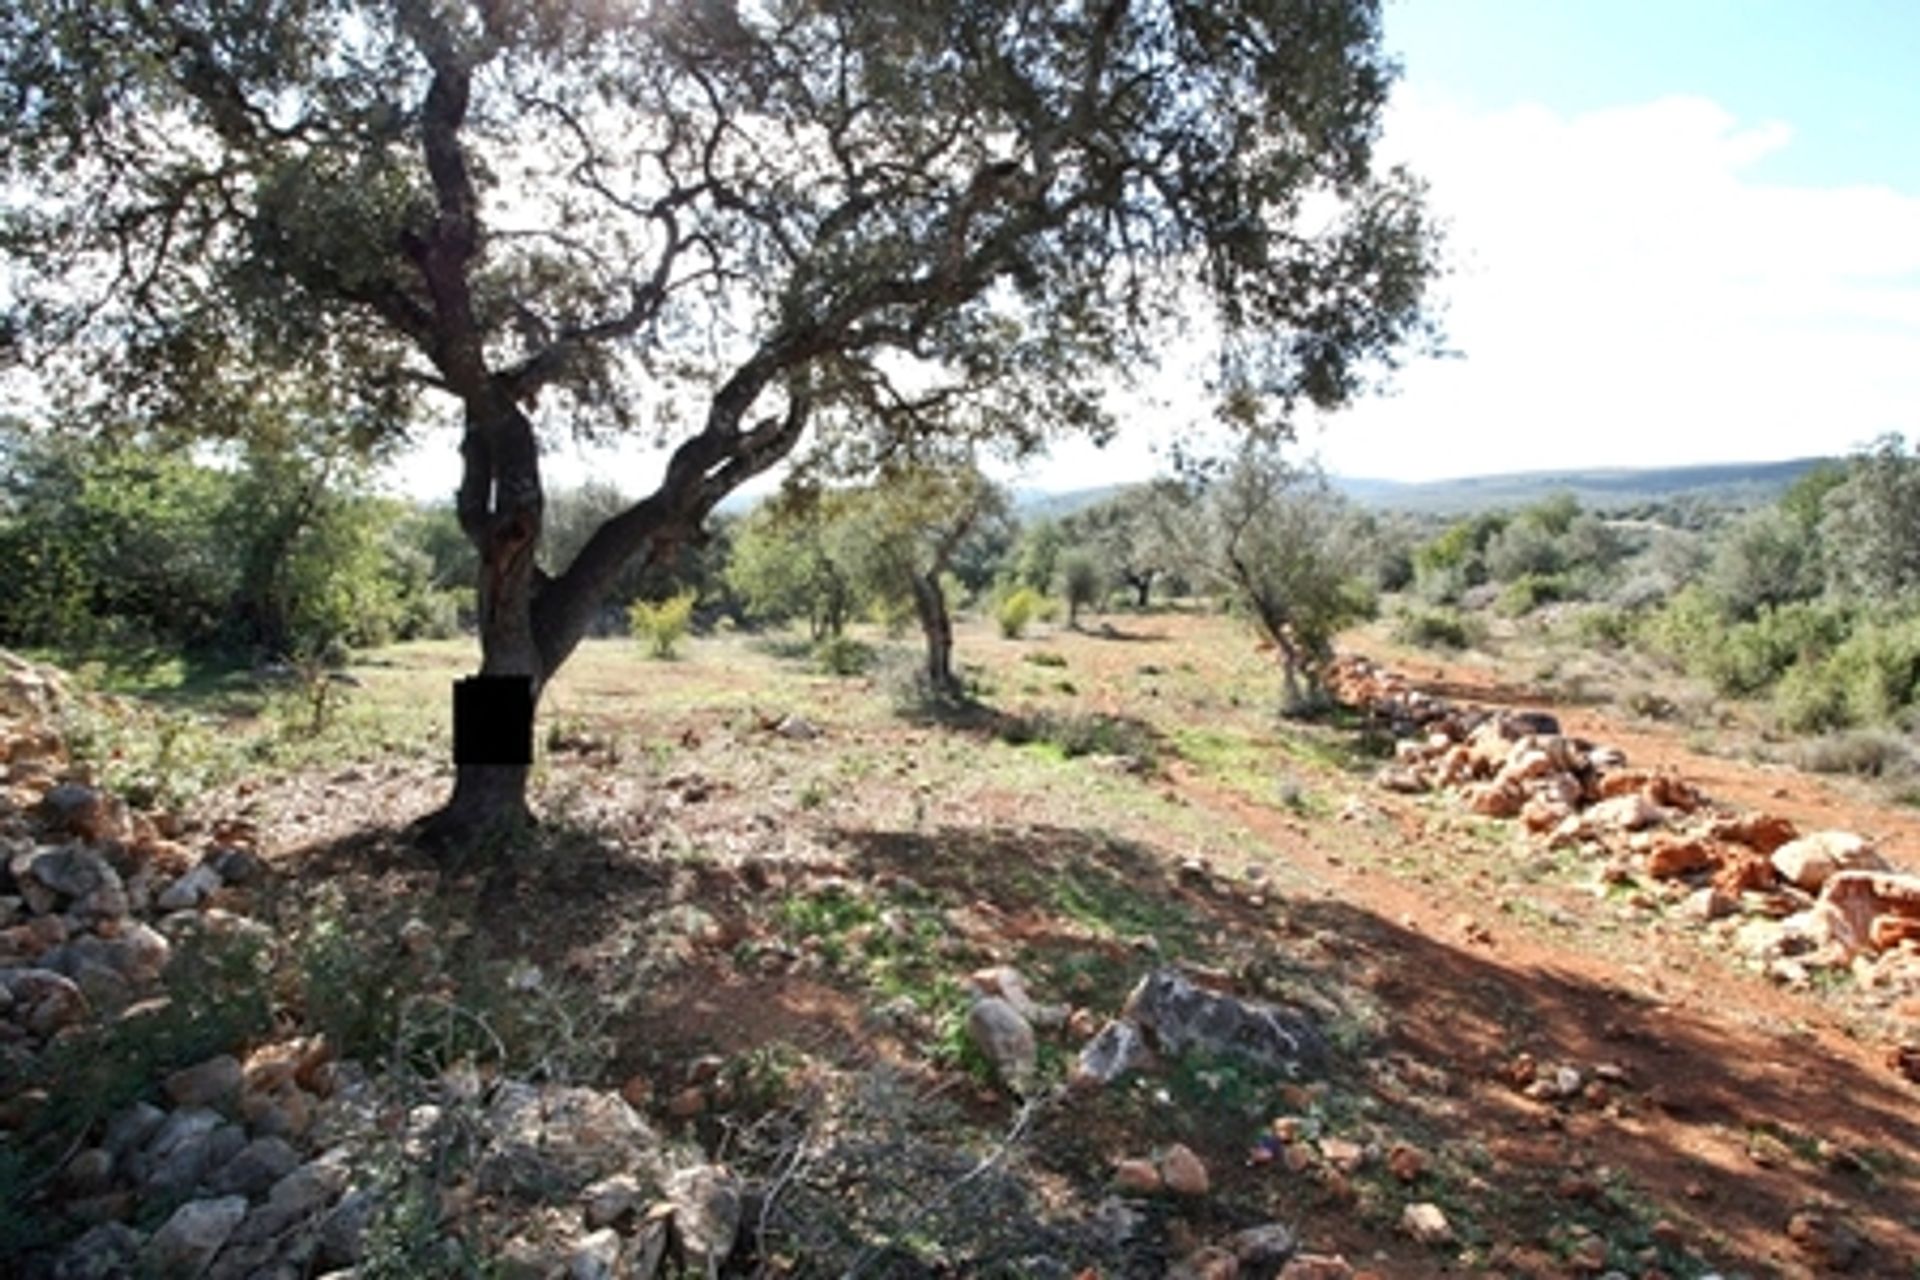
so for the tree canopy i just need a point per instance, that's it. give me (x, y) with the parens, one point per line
(732, 224)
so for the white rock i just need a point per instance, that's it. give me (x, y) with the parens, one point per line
(1426, 1223)
(1812, 860)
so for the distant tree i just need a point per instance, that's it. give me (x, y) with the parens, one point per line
(1285, 547)
(757, 221)
(905, 530)
(1871, 522)
(1765, 559)
(1124, 535)
(1082, 582)
(790, 561)
(1036, 554)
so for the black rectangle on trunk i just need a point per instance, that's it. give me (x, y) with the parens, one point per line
(493, 720)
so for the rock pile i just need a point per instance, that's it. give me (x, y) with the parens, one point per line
(1792, 903)
(271, 1158)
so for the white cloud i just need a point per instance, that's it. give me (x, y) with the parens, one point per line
(1625, 294)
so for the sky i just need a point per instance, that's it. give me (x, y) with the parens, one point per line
(1678, 231)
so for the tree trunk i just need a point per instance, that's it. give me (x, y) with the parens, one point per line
(1142, 584)
(501, 506)
(936, 624)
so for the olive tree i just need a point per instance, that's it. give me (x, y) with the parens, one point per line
(1288, 551)
(734, 224)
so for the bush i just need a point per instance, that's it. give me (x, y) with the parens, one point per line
(1018, 611)
(1604, 626)
(1435, 629)
(1865, 753)
(661, 624)
(1529, 591)
(843, 656)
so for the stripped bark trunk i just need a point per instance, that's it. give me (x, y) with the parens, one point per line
(936, 624)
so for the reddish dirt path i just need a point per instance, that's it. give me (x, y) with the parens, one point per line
(1740, 1105)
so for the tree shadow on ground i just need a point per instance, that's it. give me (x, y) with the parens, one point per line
(1726, 1131)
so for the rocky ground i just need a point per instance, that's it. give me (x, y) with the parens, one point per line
(829, 993)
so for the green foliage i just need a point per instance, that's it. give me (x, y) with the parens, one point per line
(1081, 580)
(1084, 734)
(1767, 560)
(661, 624)
(1604, 626)
(1531, 590)
(843, 656)
(1870, 677)
(791, 563)
(1436, 628)
(1871, 522)
(1017, 610)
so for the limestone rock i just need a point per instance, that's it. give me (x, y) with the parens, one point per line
(595, 1257)
(73, 871)
(1809, 862)
(1426, 1223)
(1119, 1047)
(257, 1168)
(1136, 1177)
(1852, 901)
(44, 1001)
(205, 1084)
(706, 1215)
(105, 1252)
(1264, 1247)
(1178, 1016)
(549, 1138)
(610, 1201)
(1005, 1039)
(187, 1241)
(1182, 1172)
(190, 890)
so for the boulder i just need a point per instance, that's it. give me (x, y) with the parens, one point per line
(1672, 856)
(1763, 832)
(1853, 901)
(1629, 812)
(1182, 1172)
(1005, 1039)
(190, 890)
(1119, 1047)
(557, 1139)
(1426, 1223)
(205, 1084)
(73, 871)
(706, 1216)
(1178, 1016)
(1810, 861)
(186, 1243)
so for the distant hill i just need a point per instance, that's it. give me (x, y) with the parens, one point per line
(1731, 484)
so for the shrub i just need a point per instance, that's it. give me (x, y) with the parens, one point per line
(1435, 629)
(661, 624)
(1531, 590)
(1810, 699)
(843, 656)
(1867, 753)
(1604, 626)
(1018, 610)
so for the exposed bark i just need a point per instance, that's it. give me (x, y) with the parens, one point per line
(1142, 583)
(936, 624)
